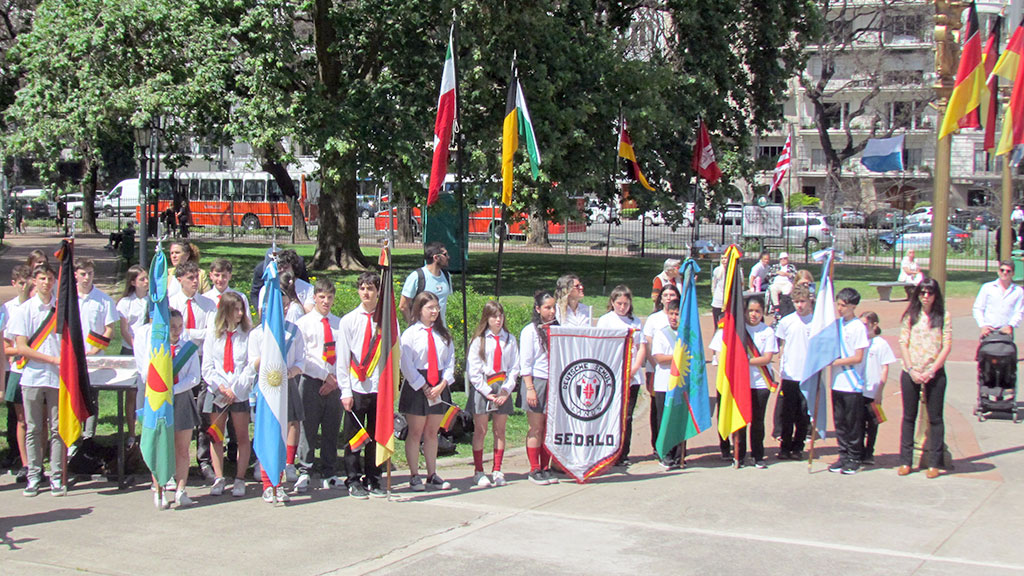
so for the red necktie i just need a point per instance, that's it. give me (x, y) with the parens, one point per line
(174, 350)
(229, 352)
(367, 337)
(190, 317)
(433, 378)
(497, 354)
(329, 356)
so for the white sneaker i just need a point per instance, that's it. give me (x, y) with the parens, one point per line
(290, 473)
(281, 495)
(56, 489)
(301, 484)
(499, 478)
(268, 494)
(157, 501)
(171, 485)
(218, 487)
(182, 499)
(331, 482)
(238, 490)
(480, 479)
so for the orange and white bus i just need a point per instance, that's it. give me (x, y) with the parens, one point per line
(250, 200)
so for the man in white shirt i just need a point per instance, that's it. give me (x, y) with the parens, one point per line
(318, 387)
(98, 315)
(1000, 303)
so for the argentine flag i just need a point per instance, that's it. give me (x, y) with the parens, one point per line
(883, 154)
(823, 343)
(271, 425)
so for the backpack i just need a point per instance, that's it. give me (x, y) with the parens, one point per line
(421, 280)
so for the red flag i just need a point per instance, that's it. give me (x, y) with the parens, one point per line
(626, 151)
(387, 322)
(990, 105)
(444, 123)
(74, 404)
(704, 157)
(782, 166)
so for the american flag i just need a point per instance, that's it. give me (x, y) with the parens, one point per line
(782, 165)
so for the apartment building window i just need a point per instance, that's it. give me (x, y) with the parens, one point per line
(810, 191)
(817, 159)
(981, 161)
(767, 157)
(837, 115)
(911, 158)
(903, 28)
(903, 77)
(906, 115)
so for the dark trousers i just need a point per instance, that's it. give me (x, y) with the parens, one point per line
(674, 455)
(795, 420)
(870, 428)
(364, 410)
(848, 415)
(11, 435)
(634, 392)
(759, 405)
(321, 426)
(724, 445)
(204, 456)
(935, 394)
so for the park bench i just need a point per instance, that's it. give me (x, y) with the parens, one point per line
(885, 289)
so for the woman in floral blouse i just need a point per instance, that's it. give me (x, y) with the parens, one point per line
(926, 336)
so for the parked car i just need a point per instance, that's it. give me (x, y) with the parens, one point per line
(654, 218)
(76, 203)
(974, 218)
(886, 218)
(807, 229)
(366, 206)
(124, 198)
(35, 202)
(601, 213)
(923, 214)
(673, 217)
(848, 218)
(919, 235)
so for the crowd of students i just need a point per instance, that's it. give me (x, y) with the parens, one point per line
(333, 371)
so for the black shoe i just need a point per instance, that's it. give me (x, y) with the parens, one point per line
(796, 455)
(783, 455)
(22, 476)
(850, 469)
(868, 461)
(356, 490)
(836, 467)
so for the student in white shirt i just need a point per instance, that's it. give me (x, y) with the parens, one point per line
(293, 309)
(225, 357)
(876, 371)
(848, 384)
(99, 317)
(220, 274)
(620, 315)
(40, 387)
(360, 352)
(318, 388)
(428, 365)
(22, 281)
(492, 368)
(663, 344)
(654, 324)
(569, 307)
(793, 332)
(186, 377)
(294, 362)
(718, 289)
(533, 368)
(132, 307)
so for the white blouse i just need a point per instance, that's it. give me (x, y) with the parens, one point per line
(414, 356)
(213, 363)
(533, 359)
(479, 370)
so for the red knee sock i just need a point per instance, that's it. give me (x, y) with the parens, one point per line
(478, 460)
(498, 455)
(265, 478)
(534, 455)
(290, 454)
(545, 458)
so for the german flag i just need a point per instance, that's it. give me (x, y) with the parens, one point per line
(733, 381)
(358, 440)
(74, 401)
(626, 151)
(97, 340)
(990, 104)
(970, 88)
(387, 323)
(449, 417)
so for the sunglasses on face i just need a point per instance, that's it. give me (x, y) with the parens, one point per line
(1006, 270)
(927, 293)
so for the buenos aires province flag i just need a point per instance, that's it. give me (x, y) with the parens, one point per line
(271, 424)
(822, 343)
(157, 442)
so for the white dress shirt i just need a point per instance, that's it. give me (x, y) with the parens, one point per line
(480, 370)
(613, 320)
(582, 316)
(132, 310)
(239, 381)
(214, 295)
(352, 332)
(414, 356)
(29, 317)
(312, 328)
(533, 358)
(96, 310)
(997, 307)
(203, 309)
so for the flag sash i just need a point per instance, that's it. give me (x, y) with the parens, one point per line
(362, 369)
(48, 326)
(97, 340)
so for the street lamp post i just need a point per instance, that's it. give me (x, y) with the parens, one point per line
(143, 138)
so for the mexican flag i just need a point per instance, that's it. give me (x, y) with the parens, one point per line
(444, 123)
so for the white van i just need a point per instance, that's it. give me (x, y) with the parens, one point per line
(123, 197)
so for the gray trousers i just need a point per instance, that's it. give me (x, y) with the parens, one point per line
(40, 404)
(320, 427)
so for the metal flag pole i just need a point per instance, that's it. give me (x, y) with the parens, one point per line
(460, 141)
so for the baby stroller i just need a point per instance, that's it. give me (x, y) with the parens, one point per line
(997, 376)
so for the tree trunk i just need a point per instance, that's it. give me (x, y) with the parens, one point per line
(403, 221)
(337, 244)
(537, 229)
(284, 181)
(88, 188)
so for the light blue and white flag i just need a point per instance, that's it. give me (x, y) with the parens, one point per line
(271, 424)
(823, 344)
(883, 154)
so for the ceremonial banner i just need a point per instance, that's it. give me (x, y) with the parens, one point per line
(586, 398)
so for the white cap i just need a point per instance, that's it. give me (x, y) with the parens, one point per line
(783, 255)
